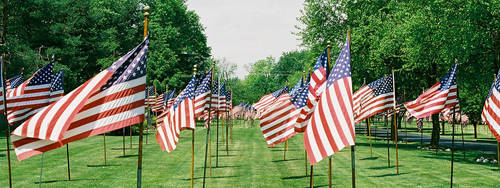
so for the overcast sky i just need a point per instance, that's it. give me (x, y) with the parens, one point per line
(246, 31)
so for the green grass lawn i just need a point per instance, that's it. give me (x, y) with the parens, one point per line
(250, 163)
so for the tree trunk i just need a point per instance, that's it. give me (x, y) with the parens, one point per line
(474, 123)
(442, 125)
(435, 131)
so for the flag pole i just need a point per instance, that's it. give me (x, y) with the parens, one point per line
(67, 158)
(104, 136)
(231, 120)
(311, 183)
(395, 121)
(123, 140)
(353, 158)
(386, 122)
(7, 126)
(328, 48)
(217, 116)
(141, 126)
(209, 120)
(369, 135)
(227, 129)
(192, 139)
(406, 130)
(452, 147)
(41, 168)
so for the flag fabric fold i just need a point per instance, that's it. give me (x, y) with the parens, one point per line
(179, 117)
(440, 96)
(373, 98)
(112, 99)
(331, 127)
(491, 109)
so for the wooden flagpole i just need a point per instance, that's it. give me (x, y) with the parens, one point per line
(406, 130)
(231, 123)
(452, 147)
(353, 157)
(141, 126)
(41, 169)
(227, 128)
(388, 137)
(7, 126)
(328, 66)
(311, 183)
(207, 143)
(217, 116)
(395, 121)
(369, 135)
(192, 139)
(123, 140)
(104, 136)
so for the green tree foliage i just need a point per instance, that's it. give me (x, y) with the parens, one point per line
(87, 36)
(420, 40)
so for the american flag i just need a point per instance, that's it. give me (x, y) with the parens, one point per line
(150, 96)
(14, 82)
(112, 99)
(56, 92)
(317, 83)
(296, 87)
(331, 127)
(229, 100)
(373, 98)
(439, 97)
(158, 105)
(277, 122)
(1, 87)
(168, 99)
(202, 94)
(222, 98)
(491, 110)
(33, 93)
(268, 100)
(215, 94)
(179, 117)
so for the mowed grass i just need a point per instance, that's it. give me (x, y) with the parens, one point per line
(249, 163)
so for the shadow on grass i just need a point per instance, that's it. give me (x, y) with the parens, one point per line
(101, 165)
(2, 155)
(228, 166)
(189, 179)
(382, 167)
(387, 175)
(127, 156)
(369, 158)
(55, 181)
(298, 177)
(126, 148)
(286, 160)
(224, 155)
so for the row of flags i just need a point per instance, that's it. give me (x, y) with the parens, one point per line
(112, 99)
(325, 108)
(203, 98)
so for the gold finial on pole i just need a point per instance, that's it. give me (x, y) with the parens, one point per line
(194, 69)
(146, 14)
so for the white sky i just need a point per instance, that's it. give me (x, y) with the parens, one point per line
(246, 31)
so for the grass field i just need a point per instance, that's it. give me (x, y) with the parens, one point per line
(250, 163)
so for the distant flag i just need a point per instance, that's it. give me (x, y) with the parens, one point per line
(150, 96)
(179, 117)
(202, 94)
(14, 82)
(222, 98)
(215, 94)
(491, 110)
(440, 96)
(296, 87)
(331, 127)
(112, 99)
(33, 93)
(229, 101)
(158, 104)
(268, 99)
(168, 101)
(277, 122)
(317, 83)
(373, 98)
(56, 92)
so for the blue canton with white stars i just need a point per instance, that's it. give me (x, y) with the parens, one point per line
(150, 91)
(204, 85)
(188, 92)
(222, 91)
(342, 68)
(449, 79)
(300, 99)
(130, 66)
(296, 87)
(278, 92)
(322, 61)
(381, 86)
(15, 81)
(42, 76)
(215, 87)
(57, 82)
(495, 84)
(228, 95)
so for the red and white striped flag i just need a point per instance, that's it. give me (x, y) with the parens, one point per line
(491, 109)
(56, 92)
(373, 98)
(440, 96)
(150, 96)
(268, 100)
(14, 82)
(111, 100)
(202, 94)
(331, 127)
(316, 86)
(277, 122)
(179, 117)
(158, 104)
